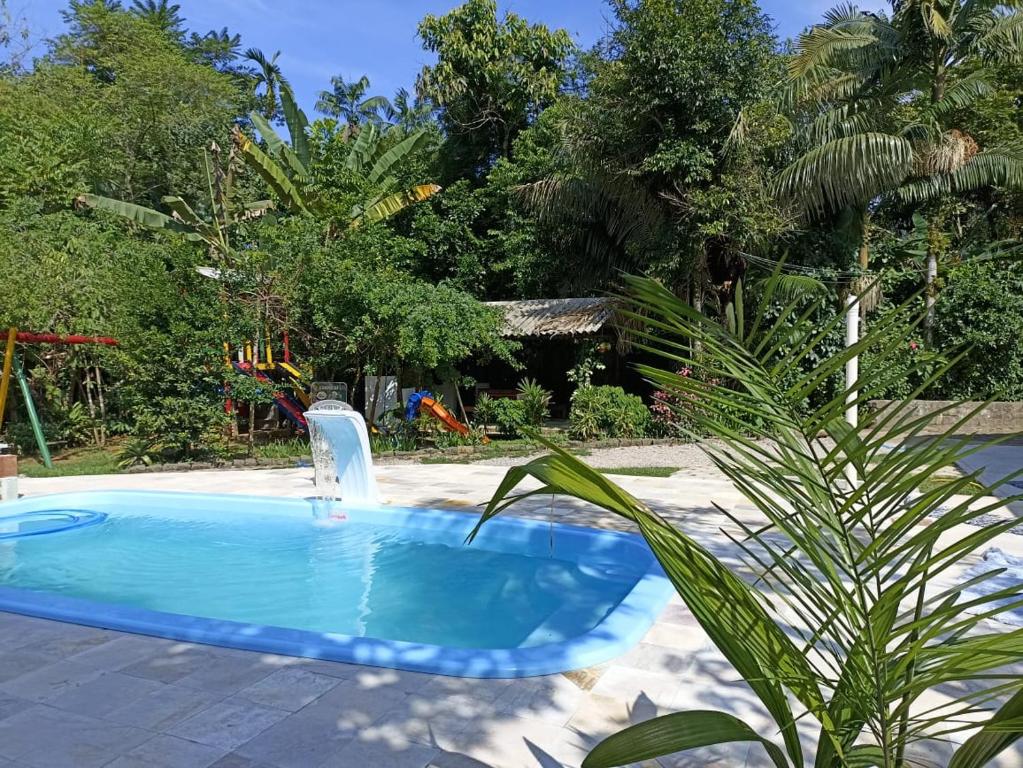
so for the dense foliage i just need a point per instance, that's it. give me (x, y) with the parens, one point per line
(689, 144)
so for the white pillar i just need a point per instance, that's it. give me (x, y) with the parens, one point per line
(852, 366)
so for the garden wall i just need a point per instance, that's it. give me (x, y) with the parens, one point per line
(998, 418)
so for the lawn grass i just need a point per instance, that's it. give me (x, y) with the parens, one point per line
(936, 481)
(78, 461)
(495, 449)
(640, 471)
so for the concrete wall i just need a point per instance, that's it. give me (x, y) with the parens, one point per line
(999, 418)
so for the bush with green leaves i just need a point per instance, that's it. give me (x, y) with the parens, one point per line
(510, 416)
(535, 401)
(980, 311)
(851, 615)
(139, 451)
(607, 412)
(483, 413)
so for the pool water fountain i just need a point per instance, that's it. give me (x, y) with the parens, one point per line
(343, 465)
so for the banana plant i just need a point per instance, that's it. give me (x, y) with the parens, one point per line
(183, 220)
(857, 606)
(286, 168)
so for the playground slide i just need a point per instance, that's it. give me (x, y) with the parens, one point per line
(290, 408)
(296, 382)
(439, 412)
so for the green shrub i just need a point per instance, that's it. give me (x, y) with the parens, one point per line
(535, 401)
(483, 414)
(510, 416)
(981, 311)
(601, 412)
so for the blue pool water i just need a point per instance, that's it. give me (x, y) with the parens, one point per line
(384, 586)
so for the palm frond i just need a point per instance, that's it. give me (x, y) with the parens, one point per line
(846, 171)
(863, 574)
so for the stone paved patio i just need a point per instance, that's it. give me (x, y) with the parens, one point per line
(73, 696)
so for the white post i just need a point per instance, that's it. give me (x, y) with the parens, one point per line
(852, 366)
(852, 372)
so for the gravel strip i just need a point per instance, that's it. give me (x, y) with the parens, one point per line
(688, 457)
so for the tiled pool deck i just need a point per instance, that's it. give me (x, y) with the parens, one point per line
(75, 697)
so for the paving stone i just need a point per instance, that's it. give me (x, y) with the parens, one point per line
(227, 724)
(44, 737)
(376, 678)
(677, 613)
(49, 682)
(299, 740)
(234, 760)
(482, 689)
(600, 716)
(289, 689)
(657, 658)
(163, 708)
(73, 639)
(20, 661)
(226, 674)
(381, 754)
(9, 705)
(26, 631)
(427, 720)
(171, 664)
(121, 651)
(165, 751)
(553, 699)
(104, 694)
(456, 760)
(516, 743)
(586, 678)
(628, 684)
(683, 637)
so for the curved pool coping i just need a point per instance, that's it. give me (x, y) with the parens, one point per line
(620, 630)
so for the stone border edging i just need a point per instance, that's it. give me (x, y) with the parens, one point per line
(383, 458)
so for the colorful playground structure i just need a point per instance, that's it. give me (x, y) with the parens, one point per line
(287, 384)
(12, 367)
(423, 402)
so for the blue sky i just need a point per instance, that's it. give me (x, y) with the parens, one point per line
(320, 38)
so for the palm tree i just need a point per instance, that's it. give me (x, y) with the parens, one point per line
(286, 168)
(875, 97)
(269, 76)
(217, 48)
(406, 111)
(162, 14)
(845, 607)
(347, 102)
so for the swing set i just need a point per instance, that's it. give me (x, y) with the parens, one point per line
(12, 368)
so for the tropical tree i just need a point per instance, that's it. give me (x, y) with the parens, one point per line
(876, 98)
(269, 76)
(215, 230)
(287, 169)
(348, 102)
(408, 112)
(492, 78)
(163, 14)
(647, 144)
(859, 606)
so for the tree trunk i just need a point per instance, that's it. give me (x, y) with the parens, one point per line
(102, 407)
(697, 288)
(91, 405)
(372, 410)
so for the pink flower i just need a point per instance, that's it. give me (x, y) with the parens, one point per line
(913, 346)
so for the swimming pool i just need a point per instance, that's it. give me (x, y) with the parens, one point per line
(391, 587)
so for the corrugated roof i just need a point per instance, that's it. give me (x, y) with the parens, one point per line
(555, 317)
